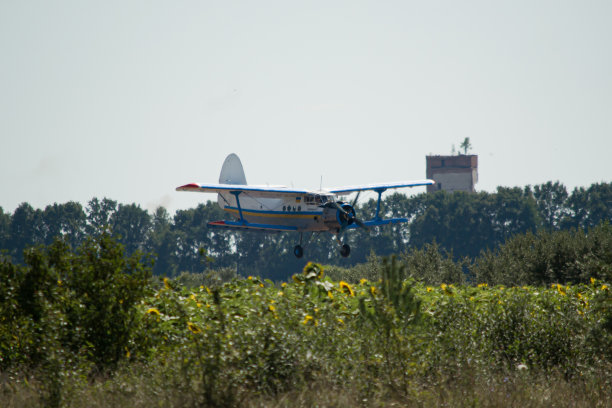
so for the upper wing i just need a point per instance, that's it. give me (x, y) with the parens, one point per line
(381, 186)
(253, 191)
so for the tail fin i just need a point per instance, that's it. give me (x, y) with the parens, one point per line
(232, 171)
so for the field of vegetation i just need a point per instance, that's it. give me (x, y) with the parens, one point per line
(527, 325)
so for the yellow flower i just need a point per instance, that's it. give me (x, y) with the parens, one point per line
(604, 287)
(429, 289)
(307, 319)
(280, 293)
(592, 281)
(330, 295)
(561, 289)
(447, 289)
(250, 278)
(59, 282)
(153, 311)
(272, 308)
(373, 290)
(363, 281)
(314, 267)
(482, 285)
(471, 298)
(167, 283)
(284, 284)
(192, 297)
(193, 328)
(345, 287)
(340, 321)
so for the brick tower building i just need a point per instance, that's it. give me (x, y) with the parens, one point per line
(453, 173)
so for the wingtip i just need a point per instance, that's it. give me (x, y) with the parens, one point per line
(189, 186)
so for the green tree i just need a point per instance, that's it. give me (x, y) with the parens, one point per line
(589, 207)
(99, 214)
(466, 145)
(162, 243)
(5, 229)
(64, 220)
(131, 225)
(551, 201)
(460, 223)
(24, 230)
(514, 212)
(192, 234)
(106, 288)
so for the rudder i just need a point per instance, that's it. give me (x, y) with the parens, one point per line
(232, 171)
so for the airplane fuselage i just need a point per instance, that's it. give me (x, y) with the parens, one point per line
(303, 211)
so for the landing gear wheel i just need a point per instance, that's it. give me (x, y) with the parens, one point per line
(345, 250)
(298, 251)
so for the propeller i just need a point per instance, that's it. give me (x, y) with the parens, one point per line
(346, 213)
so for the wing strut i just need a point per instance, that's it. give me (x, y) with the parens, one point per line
(236, 194)
(379, 191)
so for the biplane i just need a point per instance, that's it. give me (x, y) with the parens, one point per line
(280, 208)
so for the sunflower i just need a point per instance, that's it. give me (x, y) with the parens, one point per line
(307, 319)
(193, 328)
(153, 311)
(561, 289)
(346, 288)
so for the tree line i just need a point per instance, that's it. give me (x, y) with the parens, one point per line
(461, 224)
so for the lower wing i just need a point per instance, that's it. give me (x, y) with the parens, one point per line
(237, 225)
(376, 223)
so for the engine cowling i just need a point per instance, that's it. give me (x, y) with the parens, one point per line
(339, 216)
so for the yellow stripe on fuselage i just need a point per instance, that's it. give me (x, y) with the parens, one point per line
(248, 213)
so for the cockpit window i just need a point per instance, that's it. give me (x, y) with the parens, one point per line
(316, 199)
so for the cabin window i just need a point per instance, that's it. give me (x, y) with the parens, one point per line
(315, 199)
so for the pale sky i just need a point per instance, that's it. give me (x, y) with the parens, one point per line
(130, 99)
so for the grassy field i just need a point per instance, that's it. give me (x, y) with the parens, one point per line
(314, 341)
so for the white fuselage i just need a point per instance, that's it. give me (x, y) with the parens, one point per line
(302, 211)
